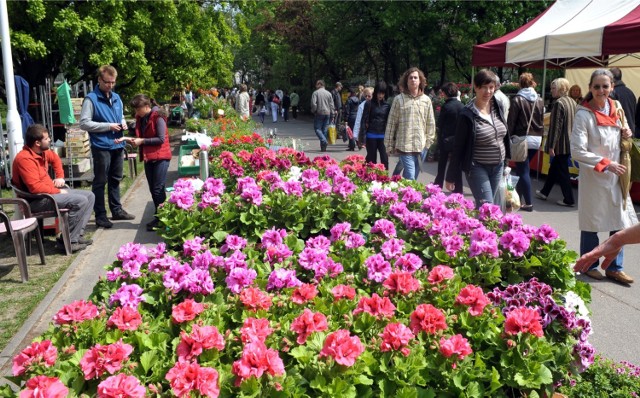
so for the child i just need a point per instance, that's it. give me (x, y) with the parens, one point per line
(263, 111)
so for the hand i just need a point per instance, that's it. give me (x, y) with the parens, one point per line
(449, 186)
(58, 182)
(552, 152)
(122, 139)
(115, 127)
(616, 168)
(626, 133)
(609, 249)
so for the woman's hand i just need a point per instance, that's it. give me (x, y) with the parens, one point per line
(616, 168)
(449, 186)
(552, 152)
(626, 133)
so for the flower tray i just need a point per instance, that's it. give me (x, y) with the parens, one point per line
(185, 150)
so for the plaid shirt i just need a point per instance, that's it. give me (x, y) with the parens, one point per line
(411, 126)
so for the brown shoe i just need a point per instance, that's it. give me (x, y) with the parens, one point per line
(595, 274)
(619, 276)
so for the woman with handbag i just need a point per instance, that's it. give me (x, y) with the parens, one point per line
(374, 120)
(595, 143)
(526, 119)
(481, 144)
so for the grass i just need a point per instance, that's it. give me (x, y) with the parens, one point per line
(20, 299)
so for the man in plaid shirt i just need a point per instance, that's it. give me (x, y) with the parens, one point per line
(411, 126)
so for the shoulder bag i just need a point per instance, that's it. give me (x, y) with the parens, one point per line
(519, 147)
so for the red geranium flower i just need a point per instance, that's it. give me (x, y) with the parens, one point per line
(201, 338)
(304, 293)
(185, 377)
(474, 298)
(427, 318)
(396, 336)
(186, 311)
(402, 282)
(255, 329)
(44, 387)
(77, 311)
(121, 386)
(255, 299)
(308, 323)
(523, 320)
(440, 273)
(343, 291)
(342, 347)
(455, 345)
(109, 358)
(125, 318)
(376, 306)
(257, 359)
(38, 353)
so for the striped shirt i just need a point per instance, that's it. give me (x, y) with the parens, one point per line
(411, 126)
(489, 145)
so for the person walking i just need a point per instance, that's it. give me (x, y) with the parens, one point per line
(274, 103)
(337, 104)
(152, 136)
(481, 144)
(625, 96)
(322, 107)
(242, 102)
(447, 121)
(295, 100)
(30, 173)
(557, 144)
(286, 103)
(367, 94)
(526, 118)
(595, 145)
(350, 114)
(102, 116)
(411, 126)
(374, 124)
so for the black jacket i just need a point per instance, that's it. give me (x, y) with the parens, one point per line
(627, 99)
(374, 117)
(351, 110)
(465, 139)
(447, 123)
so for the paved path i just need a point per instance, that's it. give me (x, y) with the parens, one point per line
(616, 308)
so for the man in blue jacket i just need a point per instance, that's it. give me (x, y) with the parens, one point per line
(102, 116)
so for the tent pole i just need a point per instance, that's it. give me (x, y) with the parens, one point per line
(544, 84)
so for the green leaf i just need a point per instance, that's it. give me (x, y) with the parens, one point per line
(363, 379)
(220, 235)
(147, 360)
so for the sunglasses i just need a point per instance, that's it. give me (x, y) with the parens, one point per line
(598, 87)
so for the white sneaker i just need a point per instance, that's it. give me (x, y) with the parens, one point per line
(540, 195)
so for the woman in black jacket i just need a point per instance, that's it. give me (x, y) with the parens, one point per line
(374, 120)
(350, 113)
(446, 132)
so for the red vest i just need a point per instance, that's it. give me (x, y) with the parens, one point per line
(153, 152)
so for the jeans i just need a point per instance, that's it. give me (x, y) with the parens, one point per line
(375, 145)
(274, 112)
(80, 204)
(107, 166)
(156, 172)
(442, 168)
(285, 114)
(398, 169)
(589, 241)
(484, 181)
(559, 173)
(411, 164)
(523, 187)
(320, 125)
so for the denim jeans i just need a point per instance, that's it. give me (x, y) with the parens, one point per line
(484, 181)
(107, 166)
(523, 187)
(398, 169)
(411, 164)
(589, 241)
(156, 172)
(320, 125)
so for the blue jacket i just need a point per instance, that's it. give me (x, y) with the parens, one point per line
(105, 110)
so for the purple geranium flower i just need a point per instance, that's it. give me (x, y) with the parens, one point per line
(392, 248)
(515, 241)
(354, 240)
(483, 241)
(214, 186)
(233, 242)
(193, 246)
(379, 269)
(127, 296)
(409, 262)
(282, 278)
(239, 278)
(273, 236)
(339, 230)
(384, 227)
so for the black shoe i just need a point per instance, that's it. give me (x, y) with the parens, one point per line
(323, 147)
(151, 226)
(85, 241)
(122, 215)
(75, 247)
(102, 222)
(528, 208)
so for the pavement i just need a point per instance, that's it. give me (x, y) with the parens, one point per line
(615, 307)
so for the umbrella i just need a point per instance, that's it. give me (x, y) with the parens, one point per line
(22, 91)
(625, 159)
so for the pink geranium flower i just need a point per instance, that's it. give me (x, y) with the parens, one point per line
(201, 338)
(44, 387)
(121, 386)
(255, 299)
(342, 347)
(257, 359)
(343, 291)
(304, 293)
(516, 242)
(474, 298)
(401, 282)
(77, 311)
(455, 345)
(255, 329)
(380, 307)
(186, 311)
(385, 228)
(396, 337)
(185, 377)
(523, 320)
(108, 358)
(308, 323)
(38, 353)
(125, 318)
(440, 273)
(427, 318)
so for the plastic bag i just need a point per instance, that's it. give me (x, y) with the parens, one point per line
(506, 196)
(333, 134)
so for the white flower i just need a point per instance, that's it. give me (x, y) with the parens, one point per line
(393, 185)
(574, 303)
(294, 173)
(197, 184)
(374, 185)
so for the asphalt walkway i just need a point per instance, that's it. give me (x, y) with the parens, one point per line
(616, 308)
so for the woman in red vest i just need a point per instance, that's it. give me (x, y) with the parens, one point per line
(152, 136)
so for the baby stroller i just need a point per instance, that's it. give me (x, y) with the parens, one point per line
(176, 117)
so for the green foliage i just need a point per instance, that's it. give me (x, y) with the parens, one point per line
(604, 379)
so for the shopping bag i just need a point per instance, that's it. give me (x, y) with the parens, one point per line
(333, 134)
(349, 133)
(519, 148)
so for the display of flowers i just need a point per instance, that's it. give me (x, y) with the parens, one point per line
(284, 276)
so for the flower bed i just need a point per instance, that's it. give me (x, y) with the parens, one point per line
(305, 278)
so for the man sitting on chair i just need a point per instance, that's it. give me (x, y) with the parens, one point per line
(30, 173)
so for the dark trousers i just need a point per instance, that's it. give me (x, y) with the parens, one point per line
(156, 172)
(377, 145)
(294, 112)
(107, 168)
(285, 114)
(443, 159)
(559, 174)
